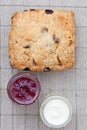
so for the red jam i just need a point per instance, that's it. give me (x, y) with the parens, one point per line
(23, 88)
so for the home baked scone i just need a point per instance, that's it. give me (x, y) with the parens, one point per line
(42, 40)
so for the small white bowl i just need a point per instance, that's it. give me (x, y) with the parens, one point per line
(53, 97)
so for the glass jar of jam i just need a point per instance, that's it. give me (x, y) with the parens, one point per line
(23, 88)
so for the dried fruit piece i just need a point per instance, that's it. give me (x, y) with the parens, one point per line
(49, 11)
(55, 39)
(26, 69)
(44, 30)
(32, 9)
(70, 42)
(27, 46)
(59, 61)
(47, 69)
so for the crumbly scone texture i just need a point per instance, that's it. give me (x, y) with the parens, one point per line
(42, 40)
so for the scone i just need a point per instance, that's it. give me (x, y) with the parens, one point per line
(42, 40)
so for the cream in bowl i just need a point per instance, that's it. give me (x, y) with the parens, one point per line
(56, 111)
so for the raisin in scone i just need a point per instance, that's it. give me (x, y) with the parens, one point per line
(42, 40)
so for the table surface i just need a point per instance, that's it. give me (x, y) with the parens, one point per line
(70, 83)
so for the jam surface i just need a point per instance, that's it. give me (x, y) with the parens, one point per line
(24, 90)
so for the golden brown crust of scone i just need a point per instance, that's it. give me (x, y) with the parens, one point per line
(42, 40)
